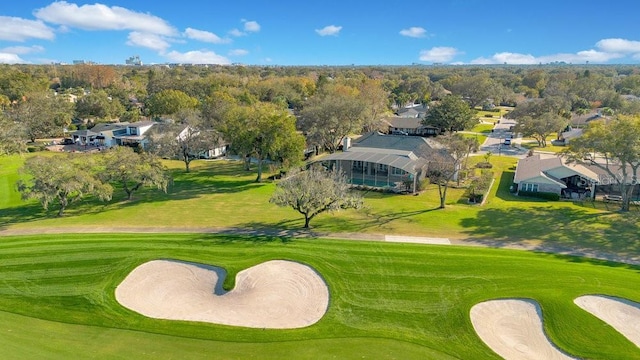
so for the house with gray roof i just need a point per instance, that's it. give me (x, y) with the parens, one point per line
(410, 126)
(552, 174)
(394, 162)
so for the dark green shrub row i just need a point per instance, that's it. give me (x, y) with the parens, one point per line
(484, 165)
(540, 195)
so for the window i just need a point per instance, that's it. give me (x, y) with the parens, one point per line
(357, 164)
(397, 171)
(383, 168)
(529, 187)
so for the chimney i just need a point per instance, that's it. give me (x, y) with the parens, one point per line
(346, 143)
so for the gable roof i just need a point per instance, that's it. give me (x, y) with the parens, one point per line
(546, 167)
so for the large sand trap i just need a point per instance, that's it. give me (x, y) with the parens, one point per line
(513, 329)
(623, 315)
(276, 294)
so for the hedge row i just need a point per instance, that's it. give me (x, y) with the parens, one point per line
(541, 195)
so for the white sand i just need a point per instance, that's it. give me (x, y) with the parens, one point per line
(513, 329)
(623, 315)
(276, 294)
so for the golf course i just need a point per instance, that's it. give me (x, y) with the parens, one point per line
(61, 276)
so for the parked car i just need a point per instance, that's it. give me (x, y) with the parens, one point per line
(67, 141)
(507, 142)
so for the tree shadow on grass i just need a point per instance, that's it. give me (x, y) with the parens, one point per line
(259, 232)
(198, 182)
(23, 214)
(574, 231)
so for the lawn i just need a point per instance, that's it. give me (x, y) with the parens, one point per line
(530, 143)
(388, 301)
(482, 128)
(220, 194)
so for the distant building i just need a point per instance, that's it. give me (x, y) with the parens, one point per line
(134, 60)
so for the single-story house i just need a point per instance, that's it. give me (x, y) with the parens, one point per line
(395, 162)
(413, 111)
(552, 174)
(410, 126)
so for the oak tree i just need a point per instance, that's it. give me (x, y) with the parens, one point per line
(314, 191)
(131, 170)
(62, 180)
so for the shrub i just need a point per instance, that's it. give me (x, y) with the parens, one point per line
(540, 195)
(484, 165)
(488, 115)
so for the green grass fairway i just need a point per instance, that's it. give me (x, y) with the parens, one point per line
(388, 301)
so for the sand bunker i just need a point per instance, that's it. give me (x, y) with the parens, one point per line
(513, 329)
(276, 294)
(623, 315)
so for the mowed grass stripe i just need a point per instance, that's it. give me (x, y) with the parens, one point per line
(399, 292)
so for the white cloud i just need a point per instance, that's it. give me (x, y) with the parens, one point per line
(238, 52)
(414, 32)
(149, 41)
(6, 58)
(21, 50)
(205, 36)
(197, 57)
(251, 26)
(18, 29)
(236, 33)
(580, 57)
(103, 17)
(619, 46)
(330, 30)
(439, 54)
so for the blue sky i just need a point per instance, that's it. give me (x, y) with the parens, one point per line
(329, 32)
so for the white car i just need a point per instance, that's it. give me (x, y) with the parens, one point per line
(507, 142)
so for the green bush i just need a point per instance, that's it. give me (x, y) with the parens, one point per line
(540, 195)
(484, 165)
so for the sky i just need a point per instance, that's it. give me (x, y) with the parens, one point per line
(328, 32)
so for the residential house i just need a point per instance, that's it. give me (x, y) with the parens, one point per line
(413, 111)
(566, 136)
(394, 162)
(552, 174)
(112, 134)
(410, 126)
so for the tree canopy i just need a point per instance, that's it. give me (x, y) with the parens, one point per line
(131, 170)
(332, 114)
(616, 145)
(12, 136)
(452, 113)
(264, 132)
(169, 102)
(314, 191)
(62, 180)
(42, 115)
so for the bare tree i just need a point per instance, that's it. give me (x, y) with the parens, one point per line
(314, 191)
(445, 163)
